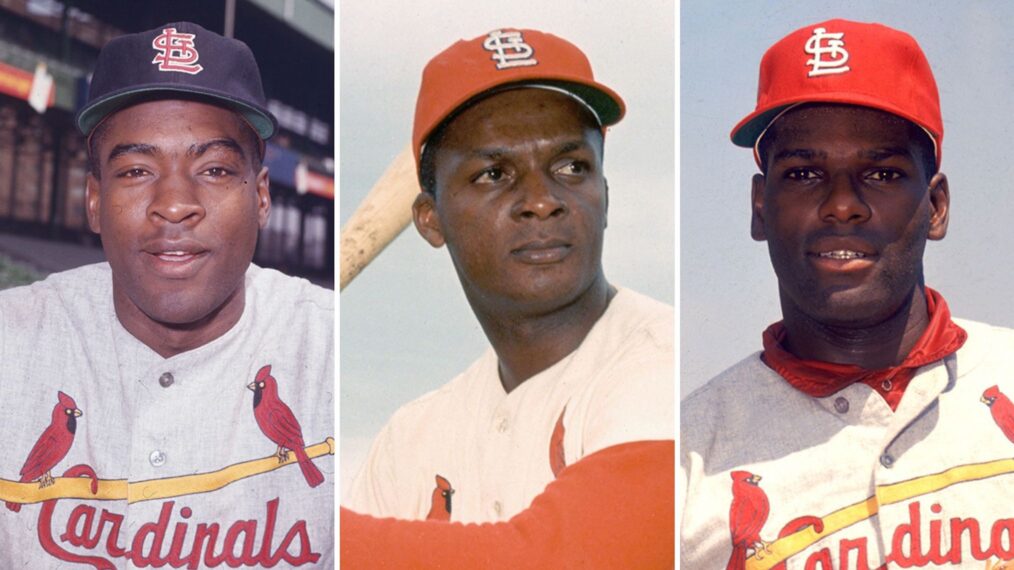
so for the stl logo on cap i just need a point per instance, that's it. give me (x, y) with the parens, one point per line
(509, 49)
(834, 49)
(177, 52)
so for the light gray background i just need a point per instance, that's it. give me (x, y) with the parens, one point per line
(728, 292)
(405, 325)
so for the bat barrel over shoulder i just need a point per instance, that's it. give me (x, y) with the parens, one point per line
(381, 216)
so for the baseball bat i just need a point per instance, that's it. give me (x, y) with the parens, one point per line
(380, 217)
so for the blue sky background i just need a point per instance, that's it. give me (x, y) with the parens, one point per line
(405, 325)
(728, 292)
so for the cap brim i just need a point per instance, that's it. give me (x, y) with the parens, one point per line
(607, 104)
(745, 133)
(91, 115)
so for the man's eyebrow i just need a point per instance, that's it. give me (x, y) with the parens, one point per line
(878, 154)
(224, 142)
(494, 153)
(130, 148)
(571, 146)
(803, 153)
(491, 153)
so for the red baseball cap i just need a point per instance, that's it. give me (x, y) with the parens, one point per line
(505, 59)
(853, 63)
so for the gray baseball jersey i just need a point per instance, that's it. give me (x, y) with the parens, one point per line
(161, 461)
(844, 482)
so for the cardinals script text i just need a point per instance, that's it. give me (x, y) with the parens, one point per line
(172, 541)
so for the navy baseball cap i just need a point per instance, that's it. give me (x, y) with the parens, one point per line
(177, 58)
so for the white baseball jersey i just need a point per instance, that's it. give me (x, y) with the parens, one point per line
(470, 452)
(846, 483)
(185, 476)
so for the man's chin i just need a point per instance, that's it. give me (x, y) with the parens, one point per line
(855, 307)
(544, 297)
(180, 309)
(178, 313)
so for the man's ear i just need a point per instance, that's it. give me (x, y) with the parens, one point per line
(606, 220)
(263, 197)
(757, 208)
(427, 220)
(940, 206)
(93, 200)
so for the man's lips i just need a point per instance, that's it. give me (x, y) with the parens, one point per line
(176, 259)
(175, 256)
(540, 252)
(842, 253)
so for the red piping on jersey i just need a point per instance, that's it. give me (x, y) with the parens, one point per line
(821, 379)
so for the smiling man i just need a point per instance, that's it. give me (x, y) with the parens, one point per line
(856, 438)
(562, 432)
(193, 390)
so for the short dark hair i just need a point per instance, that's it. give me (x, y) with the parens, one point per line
(251, 140)
(427, 160)
(924, 144)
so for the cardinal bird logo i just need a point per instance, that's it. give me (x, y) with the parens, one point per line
(278, 423)
(52, 445)
(557, 455)
(1001, 408)
(440, 501)
(747, 515)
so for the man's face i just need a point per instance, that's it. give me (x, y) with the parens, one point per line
(178, 204)
(846, 207)
(520, 200)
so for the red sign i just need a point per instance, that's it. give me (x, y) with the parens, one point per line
(17, 82)
(320, 185)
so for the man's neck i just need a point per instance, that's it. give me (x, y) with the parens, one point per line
(168, 339)
(873, 347)
(526, 345)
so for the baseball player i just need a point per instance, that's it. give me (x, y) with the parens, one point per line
(873, 430)
(571, 406)
(172, 407)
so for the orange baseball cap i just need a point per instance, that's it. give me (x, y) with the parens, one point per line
(853, 63)
(505, 59)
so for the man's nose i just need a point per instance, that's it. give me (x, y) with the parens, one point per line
(176, 200)
(539, 197)
(843, 202)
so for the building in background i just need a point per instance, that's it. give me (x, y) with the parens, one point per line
(47, 51)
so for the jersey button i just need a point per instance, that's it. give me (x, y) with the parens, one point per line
(503, 424)
(157, 458)
(841, 405)
(498, 508)
(887, 460)
(166, 380)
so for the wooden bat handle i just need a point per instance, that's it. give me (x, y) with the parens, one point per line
(380, 217)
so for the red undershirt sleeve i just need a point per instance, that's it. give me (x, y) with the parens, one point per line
(612, 509)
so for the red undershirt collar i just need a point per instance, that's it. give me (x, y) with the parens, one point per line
(821, 379)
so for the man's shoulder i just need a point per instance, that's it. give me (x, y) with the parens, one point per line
(642, 309)
(986, 345)
(68, 309)
(88, 286)
(273, 287)
(461, 395)
(635, 318)
(742, 375)
(746, 387)
(979, 330)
